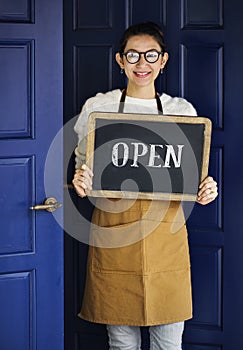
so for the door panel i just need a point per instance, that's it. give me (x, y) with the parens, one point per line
(31, 243)
(15, 192)
(203, 39)
(20, 12)
(21, 284)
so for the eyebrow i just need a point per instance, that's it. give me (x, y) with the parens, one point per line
(153, 49)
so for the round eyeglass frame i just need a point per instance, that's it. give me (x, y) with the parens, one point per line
(142, 53)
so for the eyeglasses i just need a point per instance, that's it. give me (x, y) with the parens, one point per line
(151, 56)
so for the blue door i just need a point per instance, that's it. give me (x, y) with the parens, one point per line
(31, 243)
(205, 45)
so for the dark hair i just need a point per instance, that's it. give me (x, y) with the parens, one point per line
(144, 28)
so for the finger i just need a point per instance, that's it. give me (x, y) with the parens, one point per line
(87, 169)
(87, 181)
(84, 175)
(205, 201)
(207, 197)
(80, 190)
(206, 181)
(82, 183)
(80, 186)
(81, 179)
(208, 187)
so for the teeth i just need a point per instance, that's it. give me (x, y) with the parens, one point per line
(142, 74)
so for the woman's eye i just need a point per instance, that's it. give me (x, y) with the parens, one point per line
(132, 54)
(151, 54)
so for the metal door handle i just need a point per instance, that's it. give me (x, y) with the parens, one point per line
(50, 204)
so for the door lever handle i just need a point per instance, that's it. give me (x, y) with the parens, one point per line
(50, 204)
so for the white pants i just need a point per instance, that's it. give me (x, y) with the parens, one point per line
(162, 337)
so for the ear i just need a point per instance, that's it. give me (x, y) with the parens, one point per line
(164, 59)
(119, 60)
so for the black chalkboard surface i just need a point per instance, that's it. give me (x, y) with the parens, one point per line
(147, 156)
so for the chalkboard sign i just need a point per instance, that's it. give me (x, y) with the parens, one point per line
(147, 156)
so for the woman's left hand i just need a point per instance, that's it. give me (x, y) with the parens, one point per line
(208, 191)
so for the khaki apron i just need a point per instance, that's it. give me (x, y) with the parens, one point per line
(146, 282)
(138, 268)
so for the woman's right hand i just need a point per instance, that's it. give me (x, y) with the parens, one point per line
(82, 180)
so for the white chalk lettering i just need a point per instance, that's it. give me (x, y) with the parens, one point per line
(136, 153)
(115, 154)
(120, 151)
(171, 153)
(153, 156)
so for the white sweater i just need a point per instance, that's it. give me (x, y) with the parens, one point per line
(109, 102)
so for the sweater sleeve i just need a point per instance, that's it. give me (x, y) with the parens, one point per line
(177, 106)
(189, 109)
(81, 129)
(103, 102)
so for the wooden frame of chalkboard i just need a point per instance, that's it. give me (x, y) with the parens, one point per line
(145, 156)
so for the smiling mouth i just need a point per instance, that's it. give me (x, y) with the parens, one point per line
(142, 74)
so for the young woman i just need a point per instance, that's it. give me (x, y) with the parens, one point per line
(145, 283)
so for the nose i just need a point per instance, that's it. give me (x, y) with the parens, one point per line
(142, 60)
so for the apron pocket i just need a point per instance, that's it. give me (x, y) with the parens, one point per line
(166, 250)
(117, 248)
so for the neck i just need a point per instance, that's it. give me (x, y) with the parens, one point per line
(141, 92)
